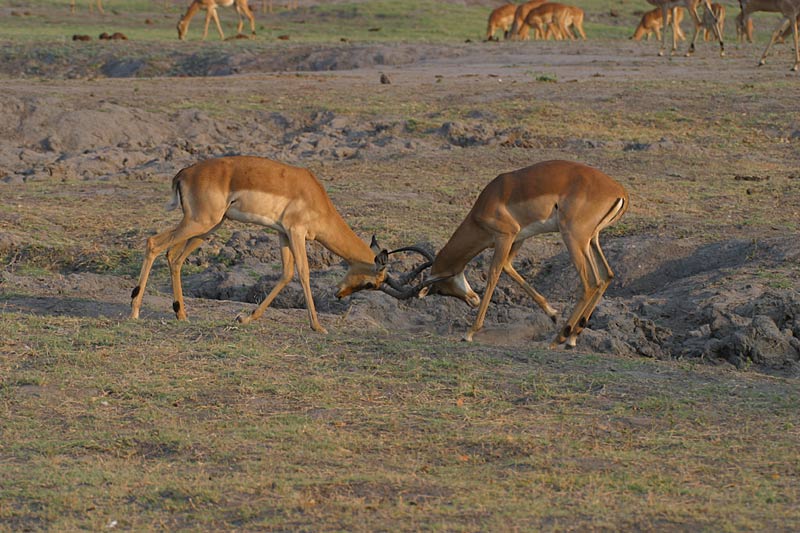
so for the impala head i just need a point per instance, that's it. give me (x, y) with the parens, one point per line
(456, 286)
(362, 276)
(183, 26)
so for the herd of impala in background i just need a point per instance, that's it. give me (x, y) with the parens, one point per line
(551, 19)
(570, 198)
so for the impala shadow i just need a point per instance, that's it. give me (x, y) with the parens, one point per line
(65, 306)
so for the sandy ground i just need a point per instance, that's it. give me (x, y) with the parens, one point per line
(92, 123)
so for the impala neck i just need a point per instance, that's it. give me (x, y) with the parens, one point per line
(466, 243)
(337, 237)
(194, 8)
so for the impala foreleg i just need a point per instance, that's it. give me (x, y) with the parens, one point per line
(783, 26)
(664, 15)
(502, 248)
(287, 260)
(540, 300)
(297, 243)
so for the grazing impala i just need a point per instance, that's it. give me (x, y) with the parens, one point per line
(652, 23)
(252, 189)
(501, 18)
(519, 29)
(545, 21)
(210, 7)
(91, 6)
(553, 196)
(571, 17)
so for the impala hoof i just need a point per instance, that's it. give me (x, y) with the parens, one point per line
(241, 319)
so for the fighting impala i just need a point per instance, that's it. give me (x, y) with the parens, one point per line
(553, 196)
(210, 7)
(288, 199)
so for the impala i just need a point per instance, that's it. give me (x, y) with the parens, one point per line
(91, 6)
(210, 7)
(546, 19)
(553, 196)
(571, 17)
(501, 18)
(652, 22)
(288, 199)
(691, 6)
(520, 15)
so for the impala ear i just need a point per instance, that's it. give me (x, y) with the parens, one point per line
(375, 246)
(381, 259)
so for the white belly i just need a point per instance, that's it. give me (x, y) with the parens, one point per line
(549, 225)
(258, 208)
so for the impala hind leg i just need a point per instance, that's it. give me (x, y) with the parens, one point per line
(502, 248)
(157, 244)
(582, 259)
(245, 9)
(287, 260)
(176, 256)
(604, 275)
(540, 300)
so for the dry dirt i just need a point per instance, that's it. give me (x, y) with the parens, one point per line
(100, 125)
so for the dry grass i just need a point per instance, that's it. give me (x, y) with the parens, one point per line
(201, 425)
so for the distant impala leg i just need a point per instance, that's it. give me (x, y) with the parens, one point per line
(782, 28)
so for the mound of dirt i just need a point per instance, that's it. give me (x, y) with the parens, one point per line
(667, 301)
(131, 59)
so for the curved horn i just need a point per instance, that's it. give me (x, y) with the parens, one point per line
(420, 250)
(401, 288)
